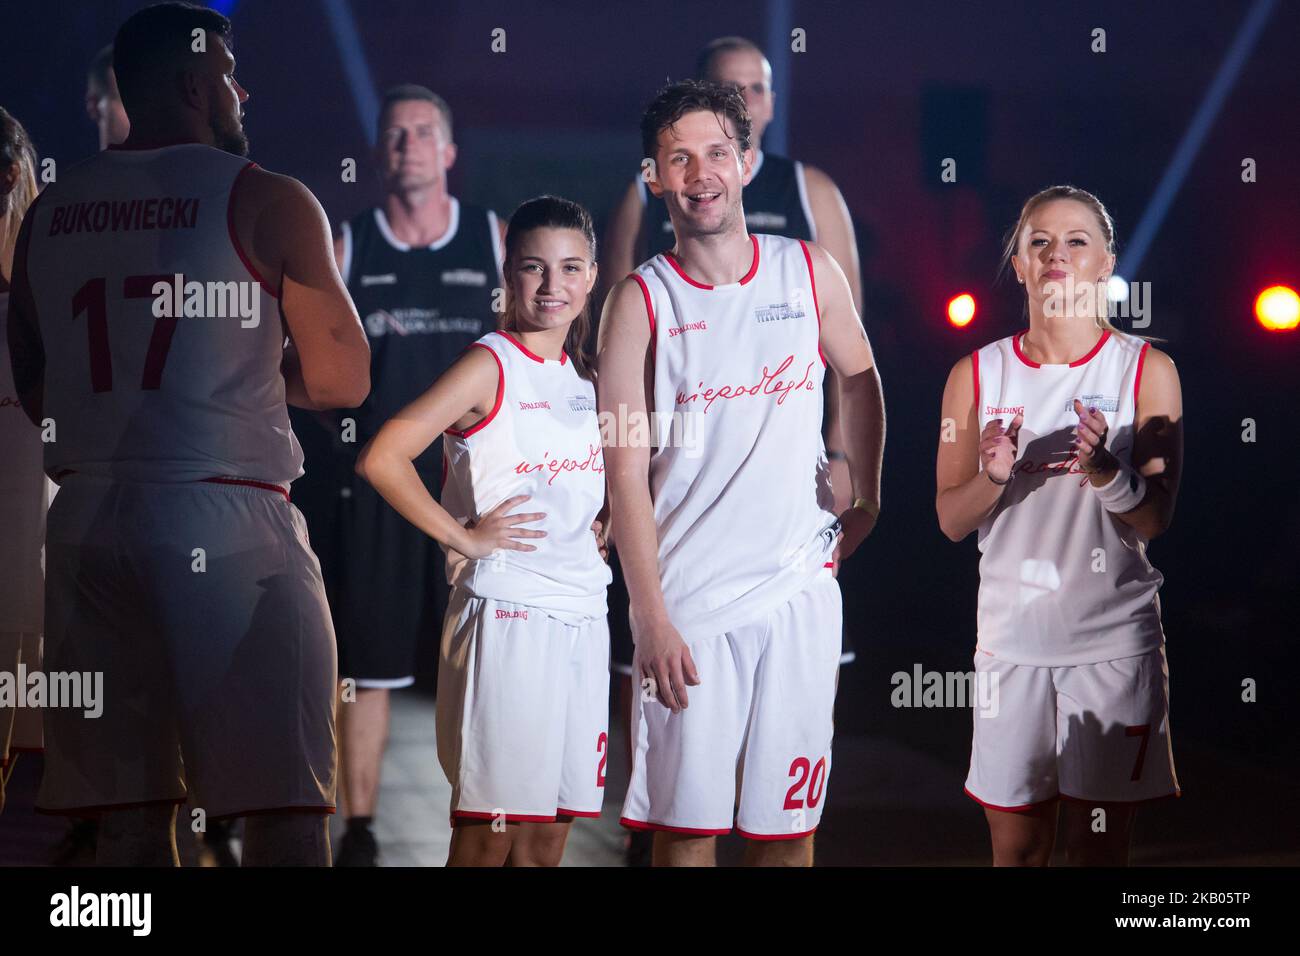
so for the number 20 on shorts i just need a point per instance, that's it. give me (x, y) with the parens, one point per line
(809, 784)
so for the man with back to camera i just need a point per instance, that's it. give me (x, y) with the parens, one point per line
(176, 566)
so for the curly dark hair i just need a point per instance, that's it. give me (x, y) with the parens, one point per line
(687, 96)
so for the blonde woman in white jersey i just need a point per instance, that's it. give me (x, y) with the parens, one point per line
(1065, 456)
(523, 677)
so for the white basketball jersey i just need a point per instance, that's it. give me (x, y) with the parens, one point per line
(133, 393)
(24, 498)
(739, 476)
(1062, 580)
(541, 439)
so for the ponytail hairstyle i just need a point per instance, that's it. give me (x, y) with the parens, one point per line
(15, 150)
(1050, 194)
(552, 212)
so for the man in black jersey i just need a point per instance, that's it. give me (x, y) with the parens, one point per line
(422, 268)
(784, 197)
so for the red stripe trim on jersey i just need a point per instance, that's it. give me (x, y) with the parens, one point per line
(122, 147)
(1095, 349)
(509, 817)
(1020, 809)
(270, 811)
(249, 483)
(501, 391)
(975, 378)
(234, 236)
(523, 348)
(753, 268)
(96, 810)
(649, 310)
(645, 825)
(775, 836)
(812, 277)
(649, 306)
(1015, 345)
(1133, 803)
(561, 812)
(1137, 382)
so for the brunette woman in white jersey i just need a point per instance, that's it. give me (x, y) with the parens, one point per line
(523, 678)
(1062, 446)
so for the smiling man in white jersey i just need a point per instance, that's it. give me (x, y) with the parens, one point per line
(176, 565)
(726, 533)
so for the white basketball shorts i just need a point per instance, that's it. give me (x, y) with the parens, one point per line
(202, 607)
(761, 715)
(523, 712)
(1096, 733)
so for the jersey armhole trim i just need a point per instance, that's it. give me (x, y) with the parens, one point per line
(234, 235)
(501, 391)
(649, 307)
(1137, 379)
(645, 294)
(975, 379)
(812, 279)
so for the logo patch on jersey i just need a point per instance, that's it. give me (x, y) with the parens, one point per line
(581, 403)
(1103, 403)
(763, 221)
(700, 326)
(522, 615)
(388, 278)
(464, 277)
(417, 321)
(526, 406)
(780, 312)
(1004, 409)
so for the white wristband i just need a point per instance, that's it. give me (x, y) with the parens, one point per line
(1122, 493)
